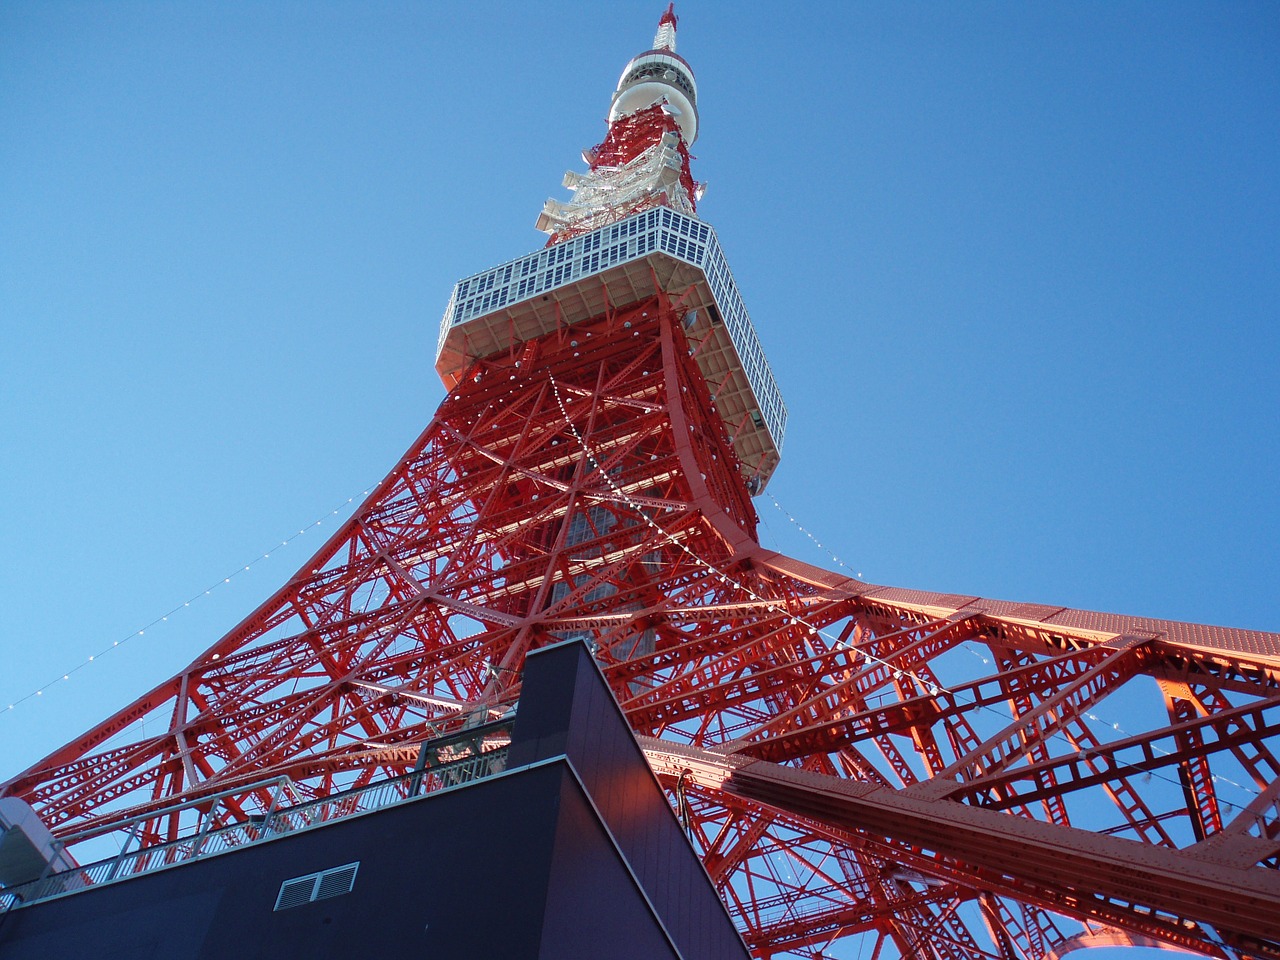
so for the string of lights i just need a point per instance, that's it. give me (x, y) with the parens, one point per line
(66, 675)
(620, 495)
(929, 686)
(816, 542)
(898, 673)
(1216, 777)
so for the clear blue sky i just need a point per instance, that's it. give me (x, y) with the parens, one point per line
(1015, 266)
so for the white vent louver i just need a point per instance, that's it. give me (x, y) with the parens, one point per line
(333, 882)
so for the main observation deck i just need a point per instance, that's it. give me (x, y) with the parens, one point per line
(614, 266)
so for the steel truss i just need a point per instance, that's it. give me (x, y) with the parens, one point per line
(945, 776)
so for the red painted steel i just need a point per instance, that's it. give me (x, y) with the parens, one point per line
(944, 776)
(857, 760)
(628, 138)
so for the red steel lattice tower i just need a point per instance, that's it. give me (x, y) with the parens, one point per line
(940, 776)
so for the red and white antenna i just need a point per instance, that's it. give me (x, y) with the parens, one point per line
(665, 38)
(643, 160)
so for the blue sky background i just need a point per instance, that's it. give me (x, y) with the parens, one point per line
(1015, 267)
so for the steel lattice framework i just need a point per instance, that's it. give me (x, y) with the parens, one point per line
(945, 776)
(844, 763)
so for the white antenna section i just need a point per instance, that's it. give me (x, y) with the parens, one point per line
(644, 159)
(665, 38)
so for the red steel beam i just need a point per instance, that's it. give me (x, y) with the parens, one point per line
(1076, 871)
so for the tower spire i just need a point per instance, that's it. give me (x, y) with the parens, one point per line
(643, 160)
(665, 38)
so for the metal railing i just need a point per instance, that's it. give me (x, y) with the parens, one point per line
(210, 840)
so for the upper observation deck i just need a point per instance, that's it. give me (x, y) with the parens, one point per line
(657, 250)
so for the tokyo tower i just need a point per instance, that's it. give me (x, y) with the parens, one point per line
(862, 770)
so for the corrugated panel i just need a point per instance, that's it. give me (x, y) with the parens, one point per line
(922, 598)
(1018, 611)
(1250, 644)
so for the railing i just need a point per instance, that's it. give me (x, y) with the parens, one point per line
(211, 841)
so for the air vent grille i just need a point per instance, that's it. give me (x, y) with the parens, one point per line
(336, 882)
(333, 882)
(294, 893)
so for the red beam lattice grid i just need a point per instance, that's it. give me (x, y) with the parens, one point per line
(940, 776)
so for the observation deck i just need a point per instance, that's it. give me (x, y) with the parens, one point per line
(657, 250)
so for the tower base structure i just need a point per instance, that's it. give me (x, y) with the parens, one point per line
(561, 845)
(584, 485)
